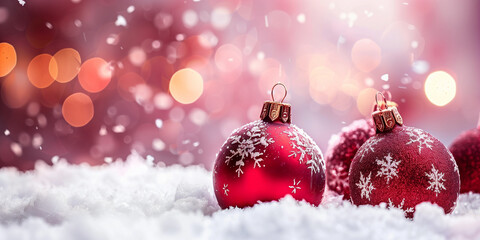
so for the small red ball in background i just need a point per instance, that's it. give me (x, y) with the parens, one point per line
(466, 150)
(265, 161)
(403, 168)
(341, 150)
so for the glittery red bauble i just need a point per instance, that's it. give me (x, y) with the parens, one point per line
(403, 168)
(466, 150)
(341, 150)
(264, 161)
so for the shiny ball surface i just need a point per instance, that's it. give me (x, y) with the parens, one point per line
(264, 161)
(466, 150)
(403, 168)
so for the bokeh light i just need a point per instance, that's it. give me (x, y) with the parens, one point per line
(77, 109)
(39, 70)
(127, 83)
(228, 58)
(366, 55)
(65, 64)
(3, 14)
(95, 74)
(440, 88)
(8, 58)
(365, 101)
(186, 86)
(220, 18)
(323, 85)
(16, 91)
(137, 56)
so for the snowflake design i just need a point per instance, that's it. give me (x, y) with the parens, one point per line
(368, 147)
(247, 146)
(225, 189)
(452, 159)
(388, 167)
(304, 146)
(436, 181)
(295, 186)
(400, 206)
(418, 136)
(339, 177)
(365, 185)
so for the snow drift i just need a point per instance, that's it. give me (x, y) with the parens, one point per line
(135, 200)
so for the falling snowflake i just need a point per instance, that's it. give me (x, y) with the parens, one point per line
(388, 167)
(247, 145)
(417, 135)
(436, 181)
(339, 176)
(304, 147)
(295, 186)
(368, 147)
(225, 189)
(400, 206)
(365, 185)
(22, 2)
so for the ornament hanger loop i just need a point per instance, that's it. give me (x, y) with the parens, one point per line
(273, 88)
(387, 94)
(384, 100)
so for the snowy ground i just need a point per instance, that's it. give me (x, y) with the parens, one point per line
(133, 200)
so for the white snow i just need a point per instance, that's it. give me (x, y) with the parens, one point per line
(133, 200)
(121, 21)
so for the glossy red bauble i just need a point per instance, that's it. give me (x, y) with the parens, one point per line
(264, 161)
(341, 150)
(404, 167)
(466, 150)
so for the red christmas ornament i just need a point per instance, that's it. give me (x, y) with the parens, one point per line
(343, 147)
(268, 159)
(403, 166)
(341, 150)
(466, 150)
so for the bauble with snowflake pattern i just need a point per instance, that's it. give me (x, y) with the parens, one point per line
(402, 167)
(268, 159)
(342, 147)
(466, 150)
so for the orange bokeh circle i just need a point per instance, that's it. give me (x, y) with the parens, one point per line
(16, 91)
(78, 109)
(186, 86)
(8, 58)
(65, 64)
(95, 74)
(38, 71)
(126, 84)
(366, 55)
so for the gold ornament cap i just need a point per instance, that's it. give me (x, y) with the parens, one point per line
(273, 111)
(385, 117)
(388, 97)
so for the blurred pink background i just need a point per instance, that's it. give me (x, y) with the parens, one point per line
(332, 56)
